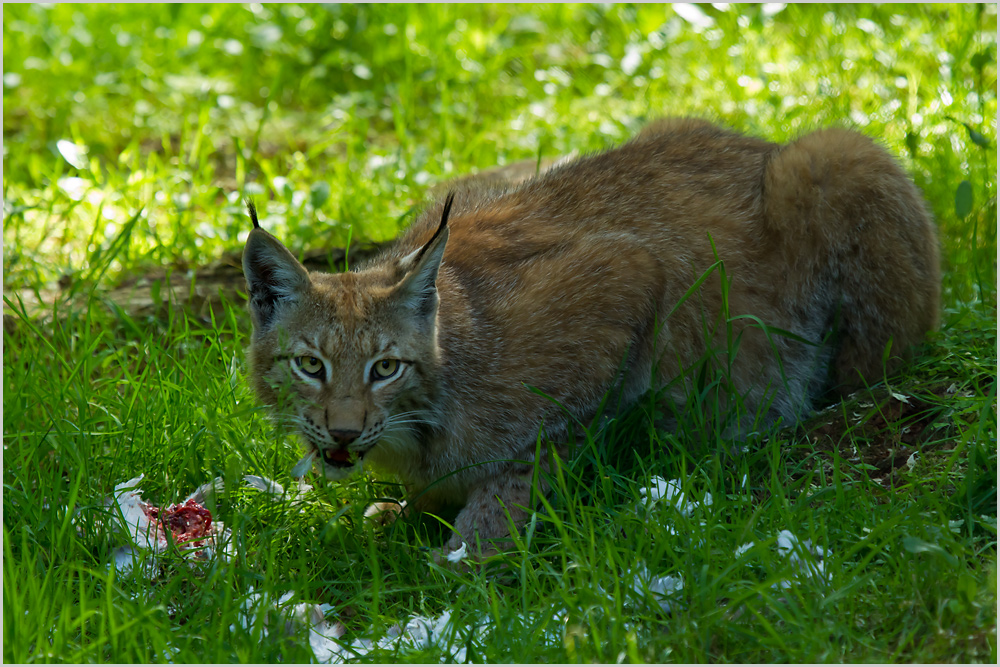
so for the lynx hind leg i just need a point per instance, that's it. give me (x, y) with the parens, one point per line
(858, 239)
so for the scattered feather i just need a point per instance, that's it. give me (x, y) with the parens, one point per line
(288, 617)
(295, 495)
(264, 484)
(802, 555)
(458, 554)
(665, 589)
(670, 493)
(304, 464)
(207, 492)
(901, 397)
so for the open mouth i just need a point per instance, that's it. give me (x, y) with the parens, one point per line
(340, 458)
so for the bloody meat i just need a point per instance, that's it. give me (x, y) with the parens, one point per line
(189, 522)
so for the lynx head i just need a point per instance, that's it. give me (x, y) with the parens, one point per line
(350, 359)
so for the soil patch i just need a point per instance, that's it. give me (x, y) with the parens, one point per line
(880, 431)
(201, 291)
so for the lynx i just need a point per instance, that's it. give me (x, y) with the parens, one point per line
(510, 310)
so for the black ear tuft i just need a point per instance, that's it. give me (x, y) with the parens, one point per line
(447, 210)
(275, 279)
(418, 289)
(441, 227)
(252, 210)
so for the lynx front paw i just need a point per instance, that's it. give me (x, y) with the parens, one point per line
(462, 558)
(384, 513)
(495, 511)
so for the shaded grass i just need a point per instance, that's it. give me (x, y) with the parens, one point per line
(339, 125)
(565, 593)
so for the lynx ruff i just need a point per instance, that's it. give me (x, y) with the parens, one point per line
(420, 362)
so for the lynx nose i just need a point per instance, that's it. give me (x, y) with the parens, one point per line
(344, 438)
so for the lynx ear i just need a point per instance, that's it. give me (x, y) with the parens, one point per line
(274, 277)
(418, 288)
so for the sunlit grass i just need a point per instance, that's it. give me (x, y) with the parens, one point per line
(131, 135)
(215, 101)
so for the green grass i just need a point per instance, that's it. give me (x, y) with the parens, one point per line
(131, 136)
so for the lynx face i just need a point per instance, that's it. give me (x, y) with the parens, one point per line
(345, 398)
(345, 357)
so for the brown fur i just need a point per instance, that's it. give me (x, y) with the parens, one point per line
(564, 282)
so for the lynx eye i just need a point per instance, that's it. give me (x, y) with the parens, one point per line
(311, 366)
(385, 369)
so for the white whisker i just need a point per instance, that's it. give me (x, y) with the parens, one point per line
(413, 417)
(411, 421)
